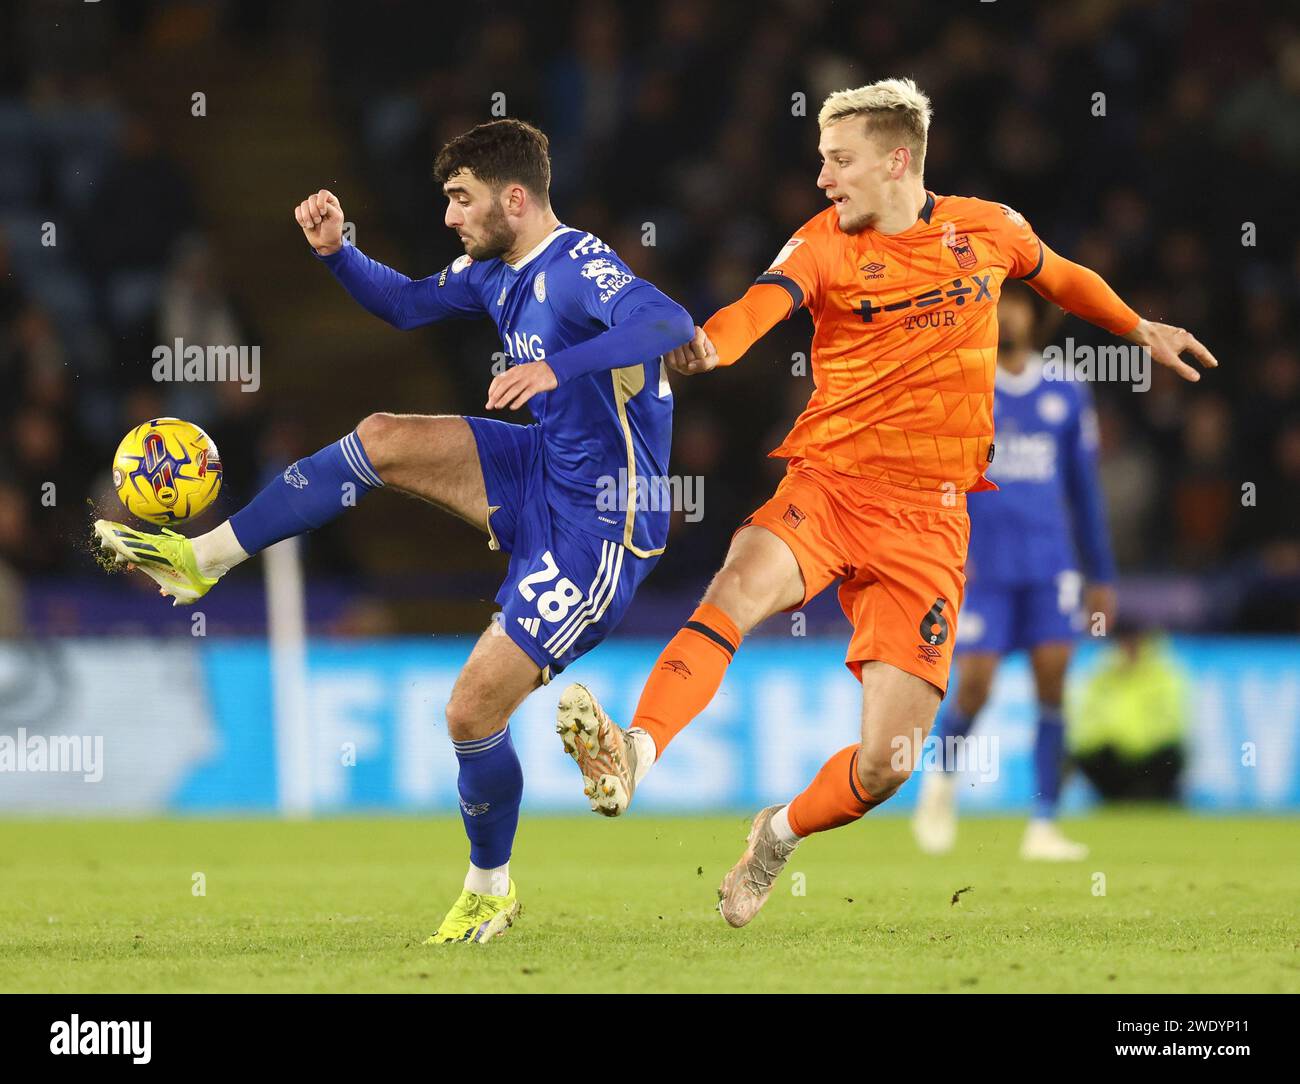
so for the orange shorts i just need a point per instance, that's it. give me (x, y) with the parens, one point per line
(901, 554)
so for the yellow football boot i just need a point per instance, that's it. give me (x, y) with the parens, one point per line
(477, 917)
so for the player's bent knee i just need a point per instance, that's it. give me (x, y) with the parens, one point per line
(726, 591)
(880, 778)
(743, 596)
(468, 719)
(378, 435)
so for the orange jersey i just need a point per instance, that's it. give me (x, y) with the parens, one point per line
(905, 340)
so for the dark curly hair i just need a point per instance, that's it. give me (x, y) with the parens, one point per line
(499, 152)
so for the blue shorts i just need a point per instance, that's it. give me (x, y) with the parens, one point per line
(566, 589)
(1003, 618)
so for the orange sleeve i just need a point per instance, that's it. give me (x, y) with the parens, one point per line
(1016, 240)
(1082, 291)
(734, 329)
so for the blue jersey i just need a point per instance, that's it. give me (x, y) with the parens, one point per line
(1047, 515)
(605, 434)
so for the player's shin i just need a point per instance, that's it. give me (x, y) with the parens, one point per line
(307, 494)
(491, 786)
(1049, 756)
(1044, 841)
(952, 723)
(687, 675)
(834, 798)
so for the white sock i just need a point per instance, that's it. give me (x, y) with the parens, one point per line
(218, 551)
(780, 823)
(644, 745)
(488, 882)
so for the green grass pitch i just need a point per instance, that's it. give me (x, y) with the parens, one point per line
(1194, 904)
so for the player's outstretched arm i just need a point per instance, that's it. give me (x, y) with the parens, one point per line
(393, 297)
(645, 324)
(1085, 293)
(731, 331)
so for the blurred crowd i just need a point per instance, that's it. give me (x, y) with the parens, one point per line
(684, 133)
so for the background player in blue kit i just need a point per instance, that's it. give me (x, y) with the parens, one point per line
(1039, 561)
(585, 338)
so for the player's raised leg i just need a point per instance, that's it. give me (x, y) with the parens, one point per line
(431, 457)
(760, 577)
(896, 706)
(494, 682)
(934, 824)
(1044, 841)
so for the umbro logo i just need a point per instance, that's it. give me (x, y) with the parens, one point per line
(926, 653)
(873, 270)
(677, 667)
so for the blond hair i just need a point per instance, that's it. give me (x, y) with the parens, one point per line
(893, 109)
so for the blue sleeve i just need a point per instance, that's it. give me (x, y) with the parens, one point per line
(406, 303)
(644, 324)
(596, 287)
(1083, 488)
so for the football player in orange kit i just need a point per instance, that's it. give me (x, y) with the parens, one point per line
(902, 286)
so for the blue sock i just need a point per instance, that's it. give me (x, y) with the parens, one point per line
(952, 723)
(309, 494)
(491, 785)
(1049, 754)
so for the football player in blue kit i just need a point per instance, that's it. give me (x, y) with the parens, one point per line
(584, 337)
(1039, 566)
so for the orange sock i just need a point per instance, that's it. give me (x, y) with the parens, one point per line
(834, 798)
(687, 674)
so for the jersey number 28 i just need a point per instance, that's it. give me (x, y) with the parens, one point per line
(555, 604)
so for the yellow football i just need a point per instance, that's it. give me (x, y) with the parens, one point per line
(167, 470)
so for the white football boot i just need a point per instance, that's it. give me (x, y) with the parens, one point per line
(1045, 842)
(934, 824)
(747, 885)
(605, 753)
